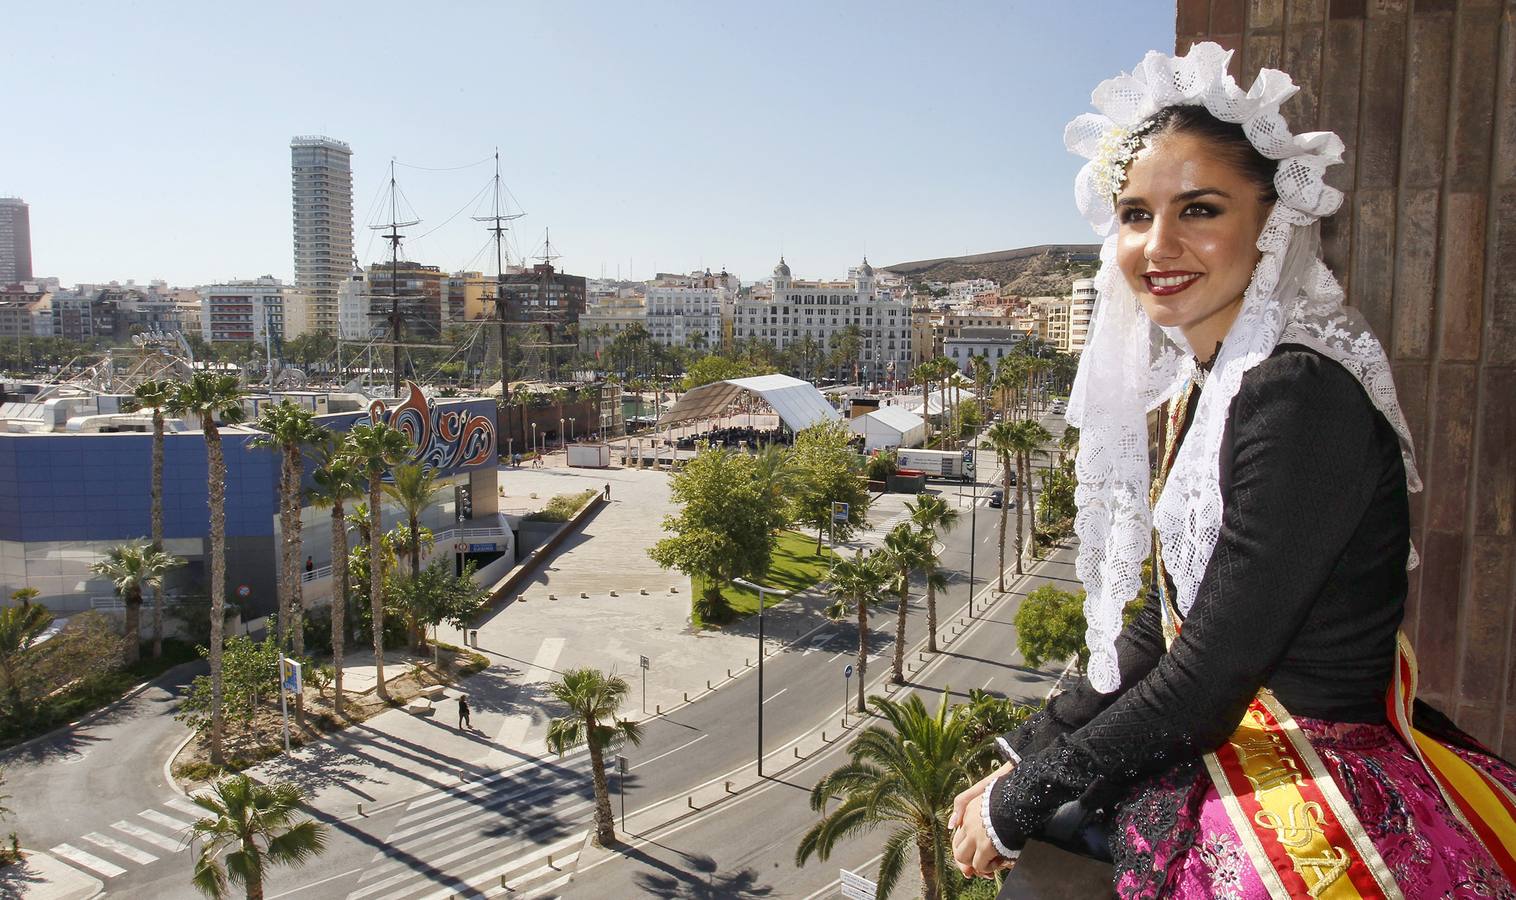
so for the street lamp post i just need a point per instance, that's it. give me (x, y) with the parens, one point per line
(571, 428)
(973, 520)
(743, 582)
(534, 438)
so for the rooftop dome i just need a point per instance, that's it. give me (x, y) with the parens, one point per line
(782, 270)
(866, 269)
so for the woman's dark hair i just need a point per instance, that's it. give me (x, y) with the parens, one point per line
(1228, 138)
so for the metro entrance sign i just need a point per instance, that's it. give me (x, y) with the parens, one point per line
(855, 886)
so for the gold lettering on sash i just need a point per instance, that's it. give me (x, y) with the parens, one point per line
(1326, 869)
(1275, 773)
(1304, 823)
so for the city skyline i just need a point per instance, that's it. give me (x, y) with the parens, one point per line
(672, 140)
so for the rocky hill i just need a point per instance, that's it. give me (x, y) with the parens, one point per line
(1041, 271)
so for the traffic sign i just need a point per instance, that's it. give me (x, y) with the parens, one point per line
(244, 591)
(848, 672)
(643, 662)
(855, 886)
(290, 675)
(839, 512)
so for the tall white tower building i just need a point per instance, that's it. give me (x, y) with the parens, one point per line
(321, 176)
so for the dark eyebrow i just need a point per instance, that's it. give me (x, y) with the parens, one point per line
(1185, 197)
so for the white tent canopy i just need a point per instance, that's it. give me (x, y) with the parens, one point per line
(889, 427)
(798, 403)
(936, 401)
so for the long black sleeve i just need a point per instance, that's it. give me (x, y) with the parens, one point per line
(1301, 462)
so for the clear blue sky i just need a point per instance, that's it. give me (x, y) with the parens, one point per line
(151, 139)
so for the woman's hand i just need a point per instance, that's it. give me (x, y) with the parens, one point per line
(969, 837)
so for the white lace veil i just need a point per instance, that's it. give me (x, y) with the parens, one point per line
(1129, 365)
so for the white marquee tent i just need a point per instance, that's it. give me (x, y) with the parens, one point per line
(889, 427)
(798, 404)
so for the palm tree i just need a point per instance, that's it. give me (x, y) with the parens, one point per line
(255, 826)
(1029, 438)
(20, 627)
(925, 373)
(856, 582)
(1002, 439)
(338, 480)
(134, 568)
(209, 397)
(933, 516)
(906, 776)
(906, 550)
(289, 429)
(156, 395)
(776, 476)
(593, 699)
(376, 447)
(413, 487)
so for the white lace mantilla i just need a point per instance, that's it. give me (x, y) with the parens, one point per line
(1130, 366)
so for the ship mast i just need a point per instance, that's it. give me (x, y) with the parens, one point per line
(499, 217)
(395, 318)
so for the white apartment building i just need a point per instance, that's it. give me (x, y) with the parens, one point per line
(321, 176)
(993, 342)
(687, 311)
(241, 311)
(962, 293)
(821, 309)
(353, 320)
(1081, 310)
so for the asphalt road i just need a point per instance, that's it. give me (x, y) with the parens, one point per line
(468, 840)
(73, 788)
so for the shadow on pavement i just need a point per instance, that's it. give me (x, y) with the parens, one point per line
(695, 877)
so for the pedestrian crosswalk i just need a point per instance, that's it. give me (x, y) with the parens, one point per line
(156, 833)
(516, 832)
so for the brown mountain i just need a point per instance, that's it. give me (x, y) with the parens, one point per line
(1043, 271)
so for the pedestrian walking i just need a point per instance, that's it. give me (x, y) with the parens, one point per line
(463, 719)
(607, 490)
(310, 564)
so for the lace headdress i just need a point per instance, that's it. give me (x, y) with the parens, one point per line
(1130, 365)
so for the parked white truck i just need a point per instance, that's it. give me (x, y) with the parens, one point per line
(957, 464)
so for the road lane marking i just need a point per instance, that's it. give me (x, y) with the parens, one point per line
(772, 696)
(469, 788)
(678, 748)
(121, 849)
(186, 806)
(88, 860)
(142, 834)
(306, 887)
(513, 731)
(158, 818)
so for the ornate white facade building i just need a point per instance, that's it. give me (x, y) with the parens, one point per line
(822, 309)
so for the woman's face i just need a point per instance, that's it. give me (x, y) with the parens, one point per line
(1188, 239)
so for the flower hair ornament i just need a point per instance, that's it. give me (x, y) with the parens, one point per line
(1130, 365)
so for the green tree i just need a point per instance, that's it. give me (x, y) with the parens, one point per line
(932, 515)
(722, 530)
(376, 447)
(1003, 440)
(828, 472)
(288, 429)
(1050, 627)
(255, 826)
(435, 596)
(133, 569)
(338, 479)
(925, 374)
(989, 716)
(20, 627)
(856, 583)
(593, 700)
(714, 367)
(903, 777)
(156, 396)
(250, 672)
(413, 487)
(211, 398)
(776, 476)
(25, 596)
(906, 550)
(1028, 436)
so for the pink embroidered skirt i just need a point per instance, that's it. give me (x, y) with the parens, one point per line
(1198, 854)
